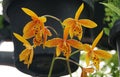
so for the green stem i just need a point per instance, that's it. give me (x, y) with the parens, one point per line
(68, 64)
(51, 67)
(69, 70)
(74, 52)
(50, 16)
(61, 58)
(53, 30)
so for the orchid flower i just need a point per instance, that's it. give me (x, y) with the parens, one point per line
(95, 55)
(36, 28)
(75, 25)
(63, 45)
(41, 37)
(30, 28)
(27, 54)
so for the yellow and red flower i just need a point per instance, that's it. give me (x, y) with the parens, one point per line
(75, 25)
(27, 54)
(30, 28)
(64, 45)
(36, 28)
(95, 55)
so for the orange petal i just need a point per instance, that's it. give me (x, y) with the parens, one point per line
(80, 9)
(31, 57)
(96, 61)
(89, 70)
(58, 51)
(53, 42)
(21, 39)
(87, 58)
(87, 23)
(97, 39)
(29, 12)
(71, 32)
(67, 51)
(47, 31)
(43, 19)
(74, 43)
(84, 73)
(80, 36)
(24, 54)
(103, 54)
(78, 32)
(66, 31)
(68, 22)
(87, 48)
(28, 31)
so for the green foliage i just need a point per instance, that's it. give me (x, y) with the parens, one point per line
(115, 72)
(112, 13)
(110, 69)
(112, 7)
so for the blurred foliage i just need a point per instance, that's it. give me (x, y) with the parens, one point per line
(112, 13)
(1, 19)
(5, 30)
(109, 68)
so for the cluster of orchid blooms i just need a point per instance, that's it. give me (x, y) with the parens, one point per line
(72, 27)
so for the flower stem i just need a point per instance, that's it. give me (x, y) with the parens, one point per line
(69, 70)
(74, 52)
(53, 30)
(51, 67)
(50, 16)
(61, 58)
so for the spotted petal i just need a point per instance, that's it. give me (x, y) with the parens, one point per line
(28, 31)
(96, 61)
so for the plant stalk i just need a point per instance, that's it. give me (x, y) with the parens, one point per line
(51, 67)
(69, 70)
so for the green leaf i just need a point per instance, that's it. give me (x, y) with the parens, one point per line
(106, 30)
(112, 7)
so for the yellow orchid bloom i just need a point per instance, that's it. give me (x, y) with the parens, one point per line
(63, 45)
(36, 28)
(75, 25)
(95, 55)
(41, 37)
(27, 54)
(30, 28)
